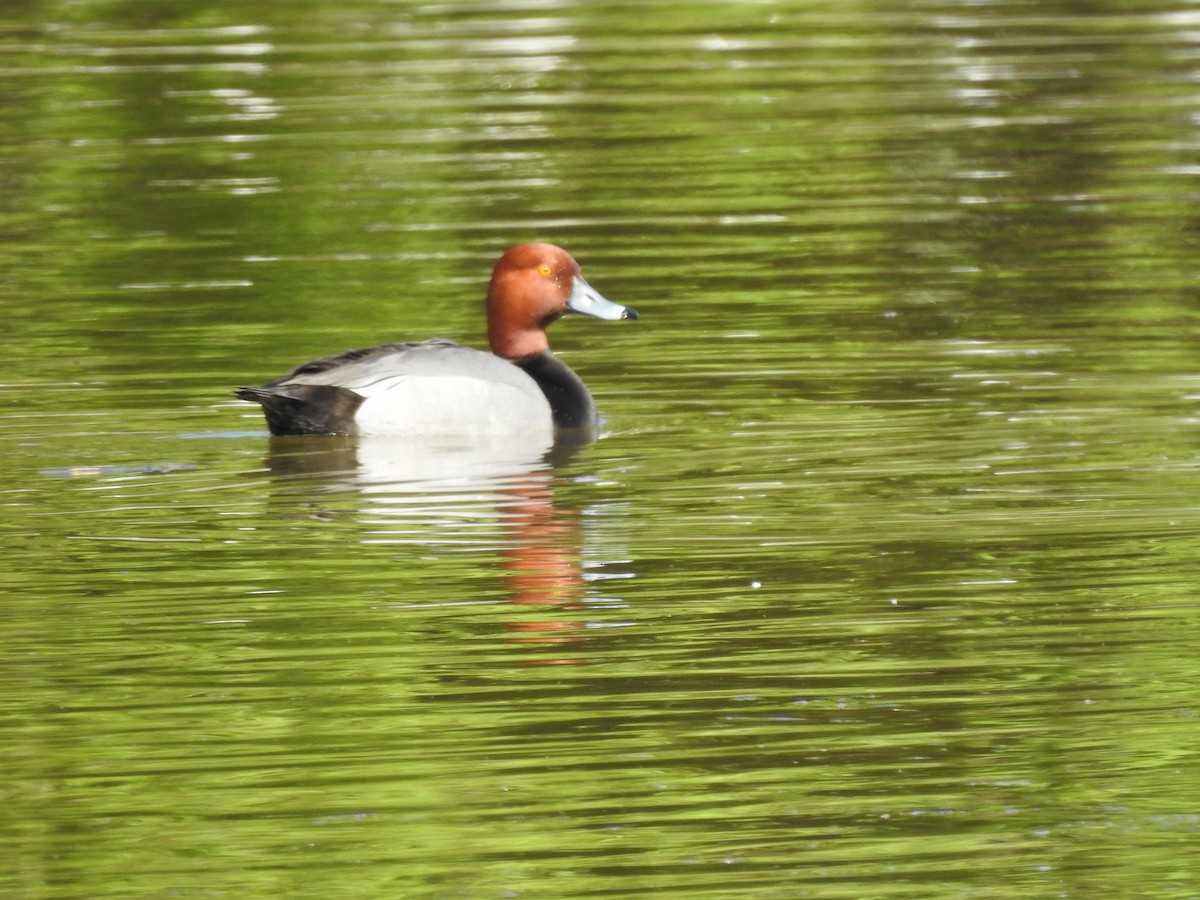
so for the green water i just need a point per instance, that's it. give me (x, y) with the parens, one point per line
(880, 583)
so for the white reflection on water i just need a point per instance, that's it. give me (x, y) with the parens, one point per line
(392, 463)
(487, 497)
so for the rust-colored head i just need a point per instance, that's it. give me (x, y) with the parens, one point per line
(532, 285)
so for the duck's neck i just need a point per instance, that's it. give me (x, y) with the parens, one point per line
(570, 403)
(516, 343)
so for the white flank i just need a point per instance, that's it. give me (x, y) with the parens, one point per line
(449, 405)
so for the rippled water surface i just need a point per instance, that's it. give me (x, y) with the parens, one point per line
(881, 581)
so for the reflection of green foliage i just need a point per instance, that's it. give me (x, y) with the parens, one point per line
(900, 457)
(341, 192)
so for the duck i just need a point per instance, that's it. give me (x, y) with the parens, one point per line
(439, 387)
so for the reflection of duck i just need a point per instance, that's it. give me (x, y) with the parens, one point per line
(385, 464)
(494, 499)
(438, 387)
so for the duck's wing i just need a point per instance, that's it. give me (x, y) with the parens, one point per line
(343, 368)
(430, 386)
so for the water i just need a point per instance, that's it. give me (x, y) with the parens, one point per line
(880, 582)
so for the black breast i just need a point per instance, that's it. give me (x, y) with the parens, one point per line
(570, 403)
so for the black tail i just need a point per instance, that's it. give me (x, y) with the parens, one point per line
(305, 408)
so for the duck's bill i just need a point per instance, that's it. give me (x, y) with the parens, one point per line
(587, 300)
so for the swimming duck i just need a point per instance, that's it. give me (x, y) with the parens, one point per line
(438, 387)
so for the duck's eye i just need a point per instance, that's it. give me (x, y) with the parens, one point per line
(545, 271)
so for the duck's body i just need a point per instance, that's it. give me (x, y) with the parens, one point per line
(440, 387)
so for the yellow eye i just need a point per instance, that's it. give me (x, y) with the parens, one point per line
(545, 271)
